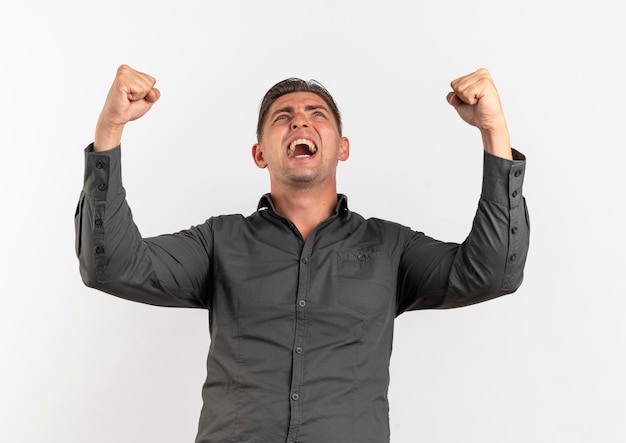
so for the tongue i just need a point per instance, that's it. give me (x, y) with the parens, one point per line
(301, 150)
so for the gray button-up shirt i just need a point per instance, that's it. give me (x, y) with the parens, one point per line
(301, 332)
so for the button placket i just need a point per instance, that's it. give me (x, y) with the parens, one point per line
(99, 234)
(515, 208)
(515, 185)
(299, 339)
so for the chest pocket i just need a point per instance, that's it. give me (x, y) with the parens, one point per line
(364, 281)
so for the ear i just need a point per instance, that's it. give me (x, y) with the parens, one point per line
(344, 149)
(257, 156)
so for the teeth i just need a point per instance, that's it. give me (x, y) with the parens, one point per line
(301, 141)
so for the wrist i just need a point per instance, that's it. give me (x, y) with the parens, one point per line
(498, 143)
(107, 136)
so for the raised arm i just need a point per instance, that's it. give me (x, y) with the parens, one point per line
(490, 262)
(168, 270)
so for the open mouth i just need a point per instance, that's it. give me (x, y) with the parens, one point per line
(301, 148)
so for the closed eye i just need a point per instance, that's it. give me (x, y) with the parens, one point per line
(280, 117)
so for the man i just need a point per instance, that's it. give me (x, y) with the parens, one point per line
(301, 294)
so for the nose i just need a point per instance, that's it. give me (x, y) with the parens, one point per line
(299, 121)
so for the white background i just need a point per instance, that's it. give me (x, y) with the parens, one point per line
(543, 365)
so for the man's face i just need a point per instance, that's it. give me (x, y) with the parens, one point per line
(300, 143)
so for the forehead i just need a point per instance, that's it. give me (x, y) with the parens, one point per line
(297, 99)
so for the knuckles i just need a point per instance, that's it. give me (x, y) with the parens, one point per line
(126, 74)
(473, 86)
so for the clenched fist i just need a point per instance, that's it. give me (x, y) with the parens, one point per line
(475, 98)
(130, 97)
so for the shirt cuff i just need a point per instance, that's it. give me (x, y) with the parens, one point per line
(103, 174)
(503, 179)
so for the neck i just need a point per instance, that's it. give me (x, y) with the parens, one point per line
(306, 208)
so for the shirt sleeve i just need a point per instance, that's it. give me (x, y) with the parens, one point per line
(488, 264)
(168, 270)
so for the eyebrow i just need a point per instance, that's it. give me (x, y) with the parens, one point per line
(290, 109)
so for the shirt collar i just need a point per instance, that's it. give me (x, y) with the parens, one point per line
(267, 203)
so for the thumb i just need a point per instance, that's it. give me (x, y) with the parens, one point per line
(454, 100)
(140, 107)
(153, 95)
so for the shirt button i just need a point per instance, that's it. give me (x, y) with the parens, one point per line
(302, 303)
(513, 257)
(360, 257)
(99, 250)
(514, 194)
(518, 173)
(514, 230)
(102, 187)
(98, 222)
(100, 165)
(295, 396)
(305, 260)
(299, 350)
